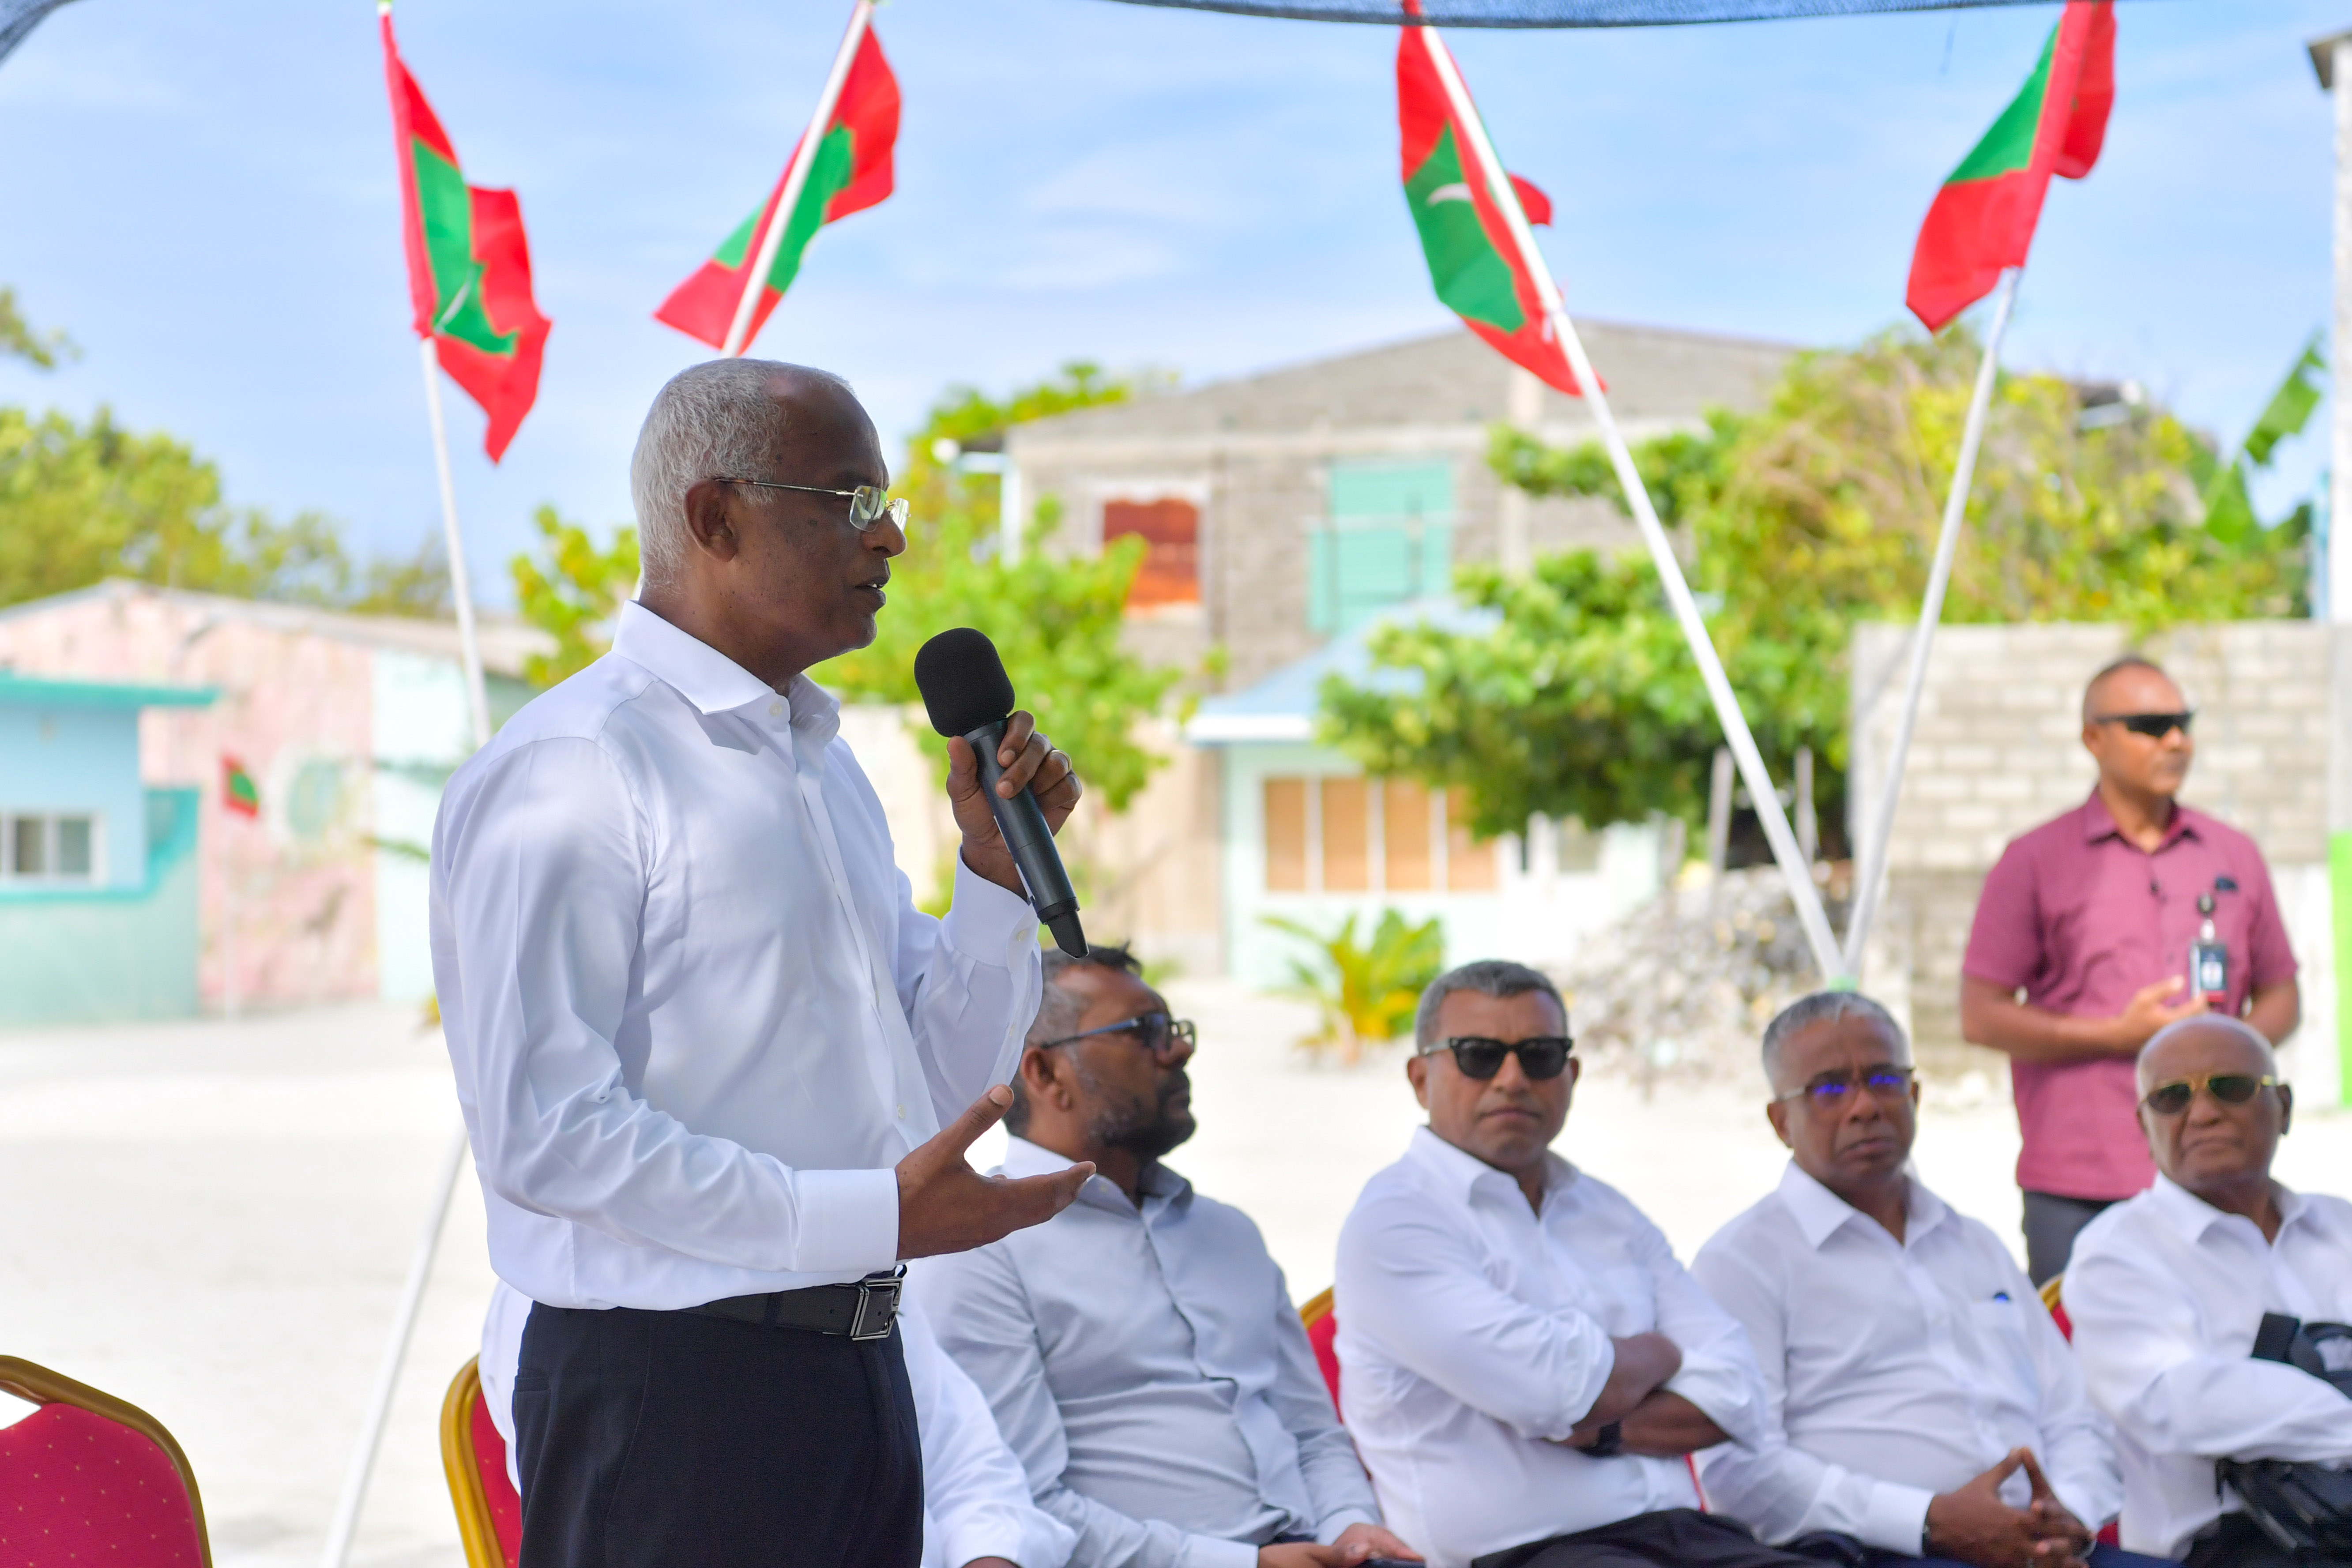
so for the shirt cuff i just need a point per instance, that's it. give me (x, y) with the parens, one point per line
(993, 1534)
(849, 1221)
(1212, 1552)
(1897, 1519)
(985, 920)
(1338, 1524)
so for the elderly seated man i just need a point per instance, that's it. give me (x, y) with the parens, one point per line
(1524, 1364)
(976, 1511)
(2168, 1293)
(1140, 1350)
(1922, 1404)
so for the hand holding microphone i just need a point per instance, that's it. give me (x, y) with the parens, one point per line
(1010, 789)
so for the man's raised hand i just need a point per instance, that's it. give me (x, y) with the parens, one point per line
(944, 1205)
(1030, 761)
(2150, 1009)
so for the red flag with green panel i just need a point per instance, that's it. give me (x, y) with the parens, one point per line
(1982, 220)
(851, 172)
(1476, 267)
(469, 264)
(239, 793)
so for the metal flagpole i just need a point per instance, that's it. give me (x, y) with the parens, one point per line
(1870, 881)
(1801, 891)
(772, 236)
(387, 1378)
(353, 1495)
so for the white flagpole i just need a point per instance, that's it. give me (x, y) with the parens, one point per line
(1870, 878)
(387, 1378)
(1801, 891)
(349, 1502)
(772, 236)
(470, 647)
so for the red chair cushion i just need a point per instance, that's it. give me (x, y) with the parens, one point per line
(490, 1461)
(1320, 1333)
(78, 1489)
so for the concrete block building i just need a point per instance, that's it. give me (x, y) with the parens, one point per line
(1999, 749)
(1285, 514)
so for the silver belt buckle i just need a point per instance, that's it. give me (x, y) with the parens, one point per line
(878, 1305)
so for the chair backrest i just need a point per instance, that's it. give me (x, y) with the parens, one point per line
(473, 1455)
(1322, 1328)
(88, 1479)
(2058, 1308)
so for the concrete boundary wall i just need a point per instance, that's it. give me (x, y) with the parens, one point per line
(1998, 751)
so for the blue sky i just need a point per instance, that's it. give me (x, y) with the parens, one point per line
(204, 196)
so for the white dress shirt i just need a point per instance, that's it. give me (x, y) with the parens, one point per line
(2166, 1292)
(1473, 1332)
(1892, 1371)
(976, 1499)
(1152, 1374)
(695, 1016)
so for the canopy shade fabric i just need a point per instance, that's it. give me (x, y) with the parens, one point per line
(1569, 13)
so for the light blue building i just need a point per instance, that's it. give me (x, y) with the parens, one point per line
(98, 872)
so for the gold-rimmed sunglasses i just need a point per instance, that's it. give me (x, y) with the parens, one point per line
(868, 504)
(2170, 1099)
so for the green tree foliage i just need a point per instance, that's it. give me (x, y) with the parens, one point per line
(19, 341)
(1056, 618)
(1363, 992)
(81, 503)
(1818, 512)
(572, 592)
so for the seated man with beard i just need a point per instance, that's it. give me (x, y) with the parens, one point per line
(1140, 1350)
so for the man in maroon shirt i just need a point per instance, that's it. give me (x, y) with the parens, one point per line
(2080, 952)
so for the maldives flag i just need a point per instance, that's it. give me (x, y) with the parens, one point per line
(1473, 262)
(469, 265)
(1982, 220)
(849, 171)
(239, 793)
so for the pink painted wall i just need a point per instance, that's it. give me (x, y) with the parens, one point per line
(288, 899)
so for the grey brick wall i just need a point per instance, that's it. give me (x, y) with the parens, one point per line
(1258, 448)
(1999, 749)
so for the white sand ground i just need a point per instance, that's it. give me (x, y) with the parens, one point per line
(212, 1220)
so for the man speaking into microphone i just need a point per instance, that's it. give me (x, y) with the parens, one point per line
(705, 1042)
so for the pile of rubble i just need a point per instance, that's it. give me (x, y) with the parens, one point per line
(1685, 984)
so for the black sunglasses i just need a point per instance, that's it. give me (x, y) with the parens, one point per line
(2226, 1088)
(1540, 1056)
(2155, 726)
(1155, 1032)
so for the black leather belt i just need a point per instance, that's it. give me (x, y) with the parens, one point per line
(862, 1309)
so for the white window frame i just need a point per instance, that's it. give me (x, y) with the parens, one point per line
(10, 878)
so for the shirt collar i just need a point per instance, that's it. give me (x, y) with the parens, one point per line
(2099, 822)
(713, 682)
(1460, 1173)
(1820, 1213)
(2192, 1217)
(1022, 1158)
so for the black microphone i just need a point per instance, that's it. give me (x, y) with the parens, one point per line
(967, 693)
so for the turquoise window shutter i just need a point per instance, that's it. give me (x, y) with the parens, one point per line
(1389, 540)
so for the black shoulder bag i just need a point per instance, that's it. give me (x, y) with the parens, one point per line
(2304, 1508)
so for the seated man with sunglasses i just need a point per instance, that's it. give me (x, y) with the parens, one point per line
(2169, 1291)
(1523, 1363)
(2080, 952)
(1140, 1351)
(1922, 1404)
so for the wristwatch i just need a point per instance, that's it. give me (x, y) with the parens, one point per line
(1609, 1445)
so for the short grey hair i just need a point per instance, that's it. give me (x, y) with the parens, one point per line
(1059, 1009)
(708, 421)
(2196, 1021)
(1496, 977)
(1825, 1007)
